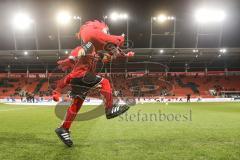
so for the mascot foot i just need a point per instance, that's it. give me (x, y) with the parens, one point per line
(116, 110)
(64, 136)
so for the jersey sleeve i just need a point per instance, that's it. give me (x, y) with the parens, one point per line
(83, 50)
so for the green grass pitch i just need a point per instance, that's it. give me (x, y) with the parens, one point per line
(212, 132)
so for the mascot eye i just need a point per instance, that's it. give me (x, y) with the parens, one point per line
(105, 30)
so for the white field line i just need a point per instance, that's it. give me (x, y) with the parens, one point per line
(14, 109)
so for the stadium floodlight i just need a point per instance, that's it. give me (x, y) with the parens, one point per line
(25, 53)
(22, 21)
(209, 15)
(124, 16)
(64, 17)
(163, 18)
(223, 50)
(161, 51)
(37, 58)
(195, 51)
(116, 16)
(77, 18)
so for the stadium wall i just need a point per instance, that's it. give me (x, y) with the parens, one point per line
(94, 101)
(44, 75)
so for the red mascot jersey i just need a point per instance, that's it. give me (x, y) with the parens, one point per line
(83, 64)
(82, 59)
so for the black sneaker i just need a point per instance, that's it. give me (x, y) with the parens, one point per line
(64, 136)
(116, 110)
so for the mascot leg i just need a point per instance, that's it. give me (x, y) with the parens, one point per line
(106, 92)
(63, 131)
(72, 112)
(111, 110)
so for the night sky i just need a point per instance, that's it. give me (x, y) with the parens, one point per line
(139, 11)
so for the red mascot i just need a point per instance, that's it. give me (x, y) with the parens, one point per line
(98, 45)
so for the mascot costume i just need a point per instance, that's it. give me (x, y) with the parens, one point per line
(98, 44)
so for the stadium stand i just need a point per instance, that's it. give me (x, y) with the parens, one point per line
(137, 86)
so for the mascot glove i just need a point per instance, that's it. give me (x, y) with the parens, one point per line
(65, 64)
(107, 58)
(130, 54)
(56, 95)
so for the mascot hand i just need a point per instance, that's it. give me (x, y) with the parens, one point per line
(65, 64)
(55, 95)
(106, 58)
(130, 54)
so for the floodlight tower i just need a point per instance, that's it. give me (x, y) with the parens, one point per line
(105, 19)
(205, 16)
(78, 18)
(22, 21)
(115, 16)
(162, 19)
(63, 18)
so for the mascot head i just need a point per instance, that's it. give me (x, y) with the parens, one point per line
(98, 33)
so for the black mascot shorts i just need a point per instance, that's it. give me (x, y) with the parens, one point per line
(81, 86)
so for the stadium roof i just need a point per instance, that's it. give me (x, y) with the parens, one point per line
(173, 58)
(42, 32)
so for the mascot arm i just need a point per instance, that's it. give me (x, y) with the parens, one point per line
(61, 84)
(107, 57)
(77, 53)
(116, 51)
(65, 64)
